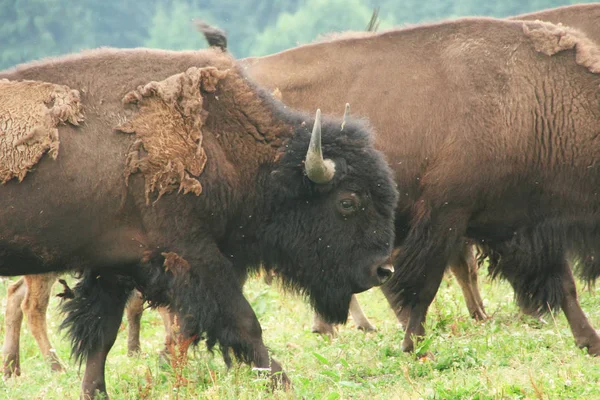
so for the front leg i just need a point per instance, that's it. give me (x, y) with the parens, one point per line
(93, 318)
(206, 292)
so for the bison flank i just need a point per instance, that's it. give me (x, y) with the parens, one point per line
(168, 127)
(550, 39)
(30, 112)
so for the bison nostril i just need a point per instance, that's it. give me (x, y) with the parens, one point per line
(385, 272)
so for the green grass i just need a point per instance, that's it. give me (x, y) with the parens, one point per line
(510, 356)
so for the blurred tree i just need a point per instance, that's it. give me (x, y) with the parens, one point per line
(172, 28)
(314, 17)
(32, 29)
(37, 28)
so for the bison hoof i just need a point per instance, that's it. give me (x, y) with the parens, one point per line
(11, 368)
(325, 329)
(366, 327)
(408, 345)
(280, 381)
(479, 314)
(55, 366)
(593, 348)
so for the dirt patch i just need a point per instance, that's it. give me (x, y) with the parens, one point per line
(168, 127)
(30, 112)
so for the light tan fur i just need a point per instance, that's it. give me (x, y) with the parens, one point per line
(170, 116)
(29, 116)
(550, 39)
(30, 296)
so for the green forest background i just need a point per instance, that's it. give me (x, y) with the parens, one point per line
(31, 29)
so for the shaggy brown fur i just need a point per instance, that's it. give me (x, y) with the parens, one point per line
(171, 116)
(29, 114)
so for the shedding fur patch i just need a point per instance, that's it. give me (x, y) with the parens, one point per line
(550, 39)
(30, 112)
(168, 127)
(175, 263)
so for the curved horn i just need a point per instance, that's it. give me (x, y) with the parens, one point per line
(317, 169)
(346, 116)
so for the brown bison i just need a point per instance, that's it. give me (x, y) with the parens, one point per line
(464, 267)
(183, 178)
(501, 154)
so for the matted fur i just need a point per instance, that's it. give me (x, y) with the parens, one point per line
(170, 117)
(30, 112)
(550, 39)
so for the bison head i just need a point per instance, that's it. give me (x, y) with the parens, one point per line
(330, 210)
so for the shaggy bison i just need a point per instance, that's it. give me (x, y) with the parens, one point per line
(183, 178)
(489, 126)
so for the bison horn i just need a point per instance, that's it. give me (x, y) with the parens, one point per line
(346, 115)
(317, 169)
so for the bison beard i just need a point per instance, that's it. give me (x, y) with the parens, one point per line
(252, 201)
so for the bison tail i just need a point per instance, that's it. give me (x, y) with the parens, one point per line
(94, 314)
(214, 36)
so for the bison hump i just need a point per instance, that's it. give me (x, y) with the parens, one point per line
(30, 112)
(168, 123)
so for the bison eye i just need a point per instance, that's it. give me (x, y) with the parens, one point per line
(348, 204)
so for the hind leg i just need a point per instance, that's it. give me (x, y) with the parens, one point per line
(360, 319)
(93, 317)
(464, 268)
(168, 322)
(584, 333)
(13, 318)
(135, 309)
(35, 306)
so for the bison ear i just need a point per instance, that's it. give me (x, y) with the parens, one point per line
(317, 169)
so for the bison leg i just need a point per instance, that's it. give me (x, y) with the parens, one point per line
(464, 268)
(207, 294)
(322, 327)
(249, 344)
(35, 307)
(360, 319)
(13, 318)
(584, 333)
(168, 321)
(135, 309)
(93, 319)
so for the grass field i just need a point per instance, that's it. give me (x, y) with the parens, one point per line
(511, 356)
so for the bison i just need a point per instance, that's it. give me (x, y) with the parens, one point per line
(464, 267)
(184, 177)
(494, 117)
